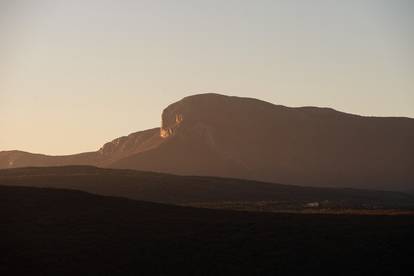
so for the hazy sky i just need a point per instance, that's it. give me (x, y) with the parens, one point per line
(75, 74)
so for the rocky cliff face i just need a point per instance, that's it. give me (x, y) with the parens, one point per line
(169, 126)
(217, 135)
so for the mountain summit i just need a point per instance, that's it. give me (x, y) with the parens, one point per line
(217, 135)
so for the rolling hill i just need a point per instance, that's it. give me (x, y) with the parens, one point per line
(64, 232)
(194, 190)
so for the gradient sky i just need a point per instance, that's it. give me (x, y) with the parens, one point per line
(76, 74)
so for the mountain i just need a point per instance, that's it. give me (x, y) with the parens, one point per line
(63, 232)
(109, 153)
(199, 191)
(216, 135)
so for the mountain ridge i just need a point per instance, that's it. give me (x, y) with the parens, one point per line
(227, 136)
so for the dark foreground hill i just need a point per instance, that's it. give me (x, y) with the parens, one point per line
(63, 232)
(216, 135)
(193, 190)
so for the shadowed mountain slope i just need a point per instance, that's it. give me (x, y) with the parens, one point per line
(176, 189)
(62, 232)
(216, 135)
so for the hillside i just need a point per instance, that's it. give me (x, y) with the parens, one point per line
(193, 190)
(62, 232)
(110, 152)
(216, 135)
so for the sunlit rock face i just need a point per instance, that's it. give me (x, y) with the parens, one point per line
(169, 126)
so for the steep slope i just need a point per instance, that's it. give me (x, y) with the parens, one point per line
(134, 143)
(216, 135)
(176, 189)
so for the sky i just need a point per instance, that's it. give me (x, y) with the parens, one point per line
(76, 74)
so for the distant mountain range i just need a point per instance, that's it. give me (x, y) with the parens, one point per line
(216, 135)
